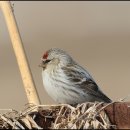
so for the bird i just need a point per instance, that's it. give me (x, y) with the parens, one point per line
(66, 82)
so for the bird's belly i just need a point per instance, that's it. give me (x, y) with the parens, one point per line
(62, 94)
(49, 86)
(55, 91)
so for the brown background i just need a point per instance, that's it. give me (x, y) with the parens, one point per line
(96, 34)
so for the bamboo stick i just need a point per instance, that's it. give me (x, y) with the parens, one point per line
(17, 44)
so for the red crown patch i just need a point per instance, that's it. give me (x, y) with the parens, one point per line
(45, 55)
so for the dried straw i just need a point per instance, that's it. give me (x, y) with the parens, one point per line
(62, 116)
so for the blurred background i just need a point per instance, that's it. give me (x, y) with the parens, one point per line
(95, 33)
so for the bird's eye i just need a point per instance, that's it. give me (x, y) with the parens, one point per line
(46, 61)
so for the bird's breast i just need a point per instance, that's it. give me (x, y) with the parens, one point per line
(51, 85)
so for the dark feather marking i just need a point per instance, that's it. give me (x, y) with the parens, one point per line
(66, 89)
(72, 73)
(89, 85)
(92, 88)
(75, 80)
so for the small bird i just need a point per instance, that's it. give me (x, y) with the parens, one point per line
(66, 81)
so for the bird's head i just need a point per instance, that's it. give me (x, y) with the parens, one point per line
(55, 57)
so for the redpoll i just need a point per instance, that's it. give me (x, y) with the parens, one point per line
(66, 81)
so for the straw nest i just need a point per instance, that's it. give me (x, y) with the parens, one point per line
(62, 116)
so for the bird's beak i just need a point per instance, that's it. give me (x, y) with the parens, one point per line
(42, 64)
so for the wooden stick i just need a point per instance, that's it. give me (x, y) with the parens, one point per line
(17, 44)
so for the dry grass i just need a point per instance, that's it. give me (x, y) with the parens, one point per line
(63, 116)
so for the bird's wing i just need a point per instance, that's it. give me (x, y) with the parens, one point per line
(82, 79)
(91, 87)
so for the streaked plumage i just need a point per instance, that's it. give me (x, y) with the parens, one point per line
(66, 81)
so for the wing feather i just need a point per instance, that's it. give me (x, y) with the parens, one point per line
(81, 78)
